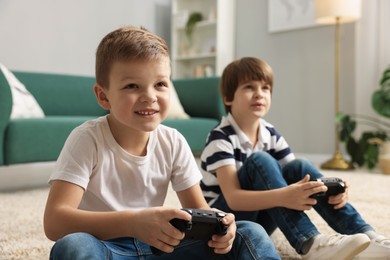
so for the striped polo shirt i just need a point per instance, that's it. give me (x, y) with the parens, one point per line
(227, 145)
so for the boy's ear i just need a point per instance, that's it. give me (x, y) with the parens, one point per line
(227, 102)
(101, 96)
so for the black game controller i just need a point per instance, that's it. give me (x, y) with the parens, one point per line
(335, 186)
(203, 225)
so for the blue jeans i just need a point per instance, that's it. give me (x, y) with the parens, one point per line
(262, 172)
(251, 242)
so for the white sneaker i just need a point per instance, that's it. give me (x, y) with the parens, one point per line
(379, 249)
(340, 247)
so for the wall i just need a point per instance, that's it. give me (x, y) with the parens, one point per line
(303, 64)
(62, 36)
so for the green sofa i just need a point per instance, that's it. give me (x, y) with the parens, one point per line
(68, 101)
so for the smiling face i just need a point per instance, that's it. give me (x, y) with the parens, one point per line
(252, 100)
(137, 96)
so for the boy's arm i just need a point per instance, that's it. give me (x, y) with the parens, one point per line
(193, 198)
(151, 226)
(294, 196)
(62, 215)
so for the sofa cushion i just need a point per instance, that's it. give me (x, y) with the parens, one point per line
(200, 97)
(63, 95)
(38, 139)
(194, 130)
(24, 104)
(176, 110)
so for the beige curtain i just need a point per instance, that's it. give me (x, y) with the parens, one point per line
(372, 51)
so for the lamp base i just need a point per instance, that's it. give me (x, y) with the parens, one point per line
(337, 162)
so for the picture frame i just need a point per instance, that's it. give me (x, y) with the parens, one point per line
(285, 15)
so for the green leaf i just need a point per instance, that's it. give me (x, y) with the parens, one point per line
(381, 103)
(380, 99)
(193, 19)
(371, 156)
(347, 127)
(355, 151)
(385, 78)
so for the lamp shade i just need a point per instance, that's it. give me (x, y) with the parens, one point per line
(346, 10)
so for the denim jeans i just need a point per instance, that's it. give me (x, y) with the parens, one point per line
(262, 172)
(251, 242)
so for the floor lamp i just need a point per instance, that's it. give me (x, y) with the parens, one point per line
(337, 12)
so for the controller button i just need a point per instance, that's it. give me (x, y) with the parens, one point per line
(220, 214)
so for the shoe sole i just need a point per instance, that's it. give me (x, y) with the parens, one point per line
(356, 251)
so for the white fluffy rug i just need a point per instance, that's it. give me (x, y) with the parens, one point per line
(22, 236)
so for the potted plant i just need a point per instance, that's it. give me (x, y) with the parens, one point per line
(381, 104)
(193, 19)
(366, 150)
(363, 150)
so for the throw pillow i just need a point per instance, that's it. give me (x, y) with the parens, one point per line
(24, 104)
(176, 110)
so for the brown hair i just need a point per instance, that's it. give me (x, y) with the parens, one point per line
(241, 71)
(127, 44)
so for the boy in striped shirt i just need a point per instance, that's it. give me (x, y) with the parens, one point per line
(249, 170)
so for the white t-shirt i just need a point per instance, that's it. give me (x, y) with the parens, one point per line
(113, 179)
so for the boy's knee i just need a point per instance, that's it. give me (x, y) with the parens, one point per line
(253, 231)
(263, 160)
(74, 246)
(75, 239)
(299, 162)
(260, 156)
(298, 168)
(249, 227)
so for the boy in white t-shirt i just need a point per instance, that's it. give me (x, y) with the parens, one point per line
(112, 176)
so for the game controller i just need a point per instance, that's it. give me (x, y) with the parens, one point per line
(335, 186)
(203, 225)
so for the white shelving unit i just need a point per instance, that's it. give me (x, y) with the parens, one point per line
(212, 47)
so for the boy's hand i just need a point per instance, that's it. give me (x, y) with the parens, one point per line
(223, 244)
(297, 195)
(152, 227)
(338, 201)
